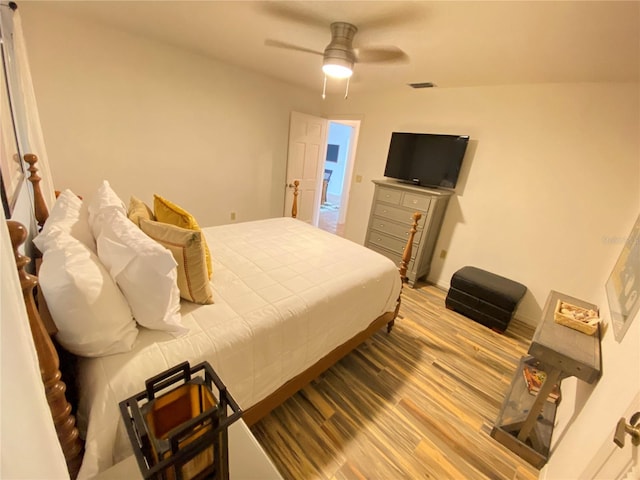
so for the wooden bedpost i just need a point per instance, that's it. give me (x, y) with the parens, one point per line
(64, 422)
(406, 255)
(404, 263)
(41, 210)
(294, 206)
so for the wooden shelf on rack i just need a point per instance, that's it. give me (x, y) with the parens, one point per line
(525, 422)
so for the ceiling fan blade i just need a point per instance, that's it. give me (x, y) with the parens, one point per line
(277, 43)
(289, 11)
(402, 15)
(388, 54)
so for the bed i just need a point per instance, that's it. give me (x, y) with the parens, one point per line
(289, 301)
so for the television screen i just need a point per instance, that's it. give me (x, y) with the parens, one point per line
(426, 159)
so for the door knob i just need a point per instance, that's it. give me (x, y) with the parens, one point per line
(631, 428)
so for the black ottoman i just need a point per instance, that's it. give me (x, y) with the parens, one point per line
(485, 297)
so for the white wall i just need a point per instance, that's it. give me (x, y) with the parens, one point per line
(551, 171)
(151, 118)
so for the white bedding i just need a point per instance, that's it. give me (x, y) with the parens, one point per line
(285, 293)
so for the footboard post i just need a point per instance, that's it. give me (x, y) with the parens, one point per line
(294, 206)
(404, 263)
(406, 255)
(40, 206)
(64, 422)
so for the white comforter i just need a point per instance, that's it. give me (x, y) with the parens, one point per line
(286, 294)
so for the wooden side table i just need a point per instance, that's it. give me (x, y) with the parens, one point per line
(247, 460)
(525, 422)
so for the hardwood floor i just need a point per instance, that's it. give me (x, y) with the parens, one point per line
(417, 403)
(329, 216)
(329, 222)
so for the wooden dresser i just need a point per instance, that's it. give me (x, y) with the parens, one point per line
(391, 218)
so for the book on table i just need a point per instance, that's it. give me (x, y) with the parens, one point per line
(534, 378)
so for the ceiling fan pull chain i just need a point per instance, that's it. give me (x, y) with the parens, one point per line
(346, 92)
(324, 88)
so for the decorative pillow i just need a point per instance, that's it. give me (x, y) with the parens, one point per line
(92, 315)
(104, 200)
(69, 214)
(144, 270)
(187, 248)
(139, 210)
(168, 212)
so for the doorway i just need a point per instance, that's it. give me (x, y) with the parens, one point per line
(342, 140)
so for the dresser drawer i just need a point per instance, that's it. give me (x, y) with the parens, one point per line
(395, 229)
(389, 195)
(396, 245)
(418, 202)
(397, 214)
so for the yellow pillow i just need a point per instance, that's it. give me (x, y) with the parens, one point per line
(187, 248)
(168, 212)
(138, 210)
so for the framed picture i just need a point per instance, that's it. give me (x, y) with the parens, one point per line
(332, 152)
(11, 166)
(623, 286)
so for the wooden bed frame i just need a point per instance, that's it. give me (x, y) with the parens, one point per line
(43, 329)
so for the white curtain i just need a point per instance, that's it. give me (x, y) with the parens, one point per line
(34, 130)
(25, 108)
(29, 447)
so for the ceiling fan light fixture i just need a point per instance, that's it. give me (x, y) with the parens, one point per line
(337, 68)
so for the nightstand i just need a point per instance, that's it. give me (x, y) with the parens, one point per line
(247, 460)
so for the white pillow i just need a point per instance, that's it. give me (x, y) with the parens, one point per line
(104, 200)
(145, 271)
(92, 315)
(69, 214)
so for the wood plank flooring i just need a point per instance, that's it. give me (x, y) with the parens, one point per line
(418, 403)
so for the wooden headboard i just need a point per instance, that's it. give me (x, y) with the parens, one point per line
(48, 358)
(43, 329)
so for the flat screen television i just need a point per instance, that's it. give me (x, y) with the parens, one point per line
(426, 159)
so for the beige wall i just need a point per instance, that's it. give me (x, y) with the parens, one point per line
(551, 173)
(151, 118)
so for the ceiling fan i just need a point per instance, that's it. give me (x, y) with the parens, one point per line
(339, 56)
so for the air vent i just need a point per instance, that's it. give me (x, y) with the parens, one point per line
(422, 85)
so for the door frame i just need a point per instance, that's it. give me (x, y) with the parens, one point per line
(355, 122)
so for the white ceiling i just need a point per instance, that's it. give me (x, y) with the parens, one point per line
(450, 43)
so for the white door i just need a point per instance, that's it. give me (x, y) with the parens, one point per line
(305, 160)
(612, 462)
